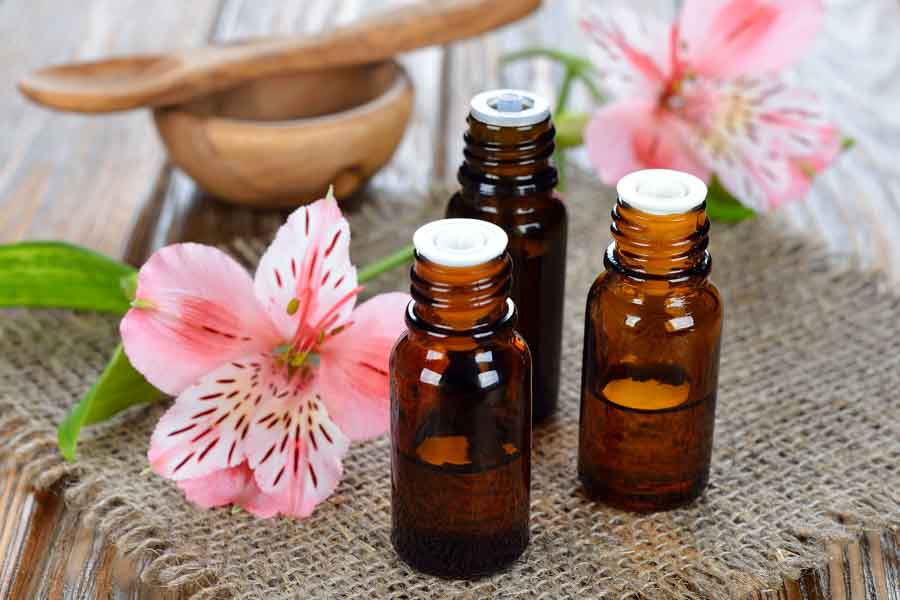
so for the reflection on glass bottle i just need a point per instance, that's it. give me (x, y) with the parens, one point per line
(460, 408)
(651, 350)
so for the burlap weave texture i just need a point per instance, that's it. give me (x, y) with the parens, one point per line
(807, 446)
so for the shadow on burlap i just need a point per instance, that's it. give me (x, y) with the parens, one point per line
(807, 446)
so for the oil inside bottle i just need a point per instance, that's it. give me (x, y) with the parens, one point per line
(492, 534)
(649, 439)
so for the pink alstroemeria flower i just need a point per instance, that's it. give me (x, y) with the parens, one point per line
(702, 95)
(273, 376)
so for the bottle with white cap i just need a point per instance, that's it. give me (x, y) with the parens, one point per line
(651, 349)
(460, 407)
(507, 178)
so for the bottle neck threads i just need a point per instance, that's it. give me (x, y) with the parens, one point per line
(508, 160)
(460, 299)
(670, 246)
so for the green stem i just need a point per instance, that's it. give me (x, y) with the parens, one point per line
(561, 103)
(570, 60)
(559, 157)
(565, 89)
(388, 263)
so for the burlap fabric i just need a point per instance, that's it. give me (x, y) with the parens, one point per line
(807, 447)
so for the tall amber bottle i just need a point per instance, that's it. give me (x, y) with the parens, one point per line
(507, 179)
(460, 407)
(651, 349)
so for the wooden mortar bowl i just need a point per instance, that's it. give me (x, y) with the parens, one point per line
(282, 141)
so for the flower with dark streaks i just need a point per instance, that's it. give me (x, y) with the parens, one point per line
(274, 376)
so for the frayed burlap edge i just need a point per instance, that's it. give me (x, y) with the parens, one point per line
(32, 450)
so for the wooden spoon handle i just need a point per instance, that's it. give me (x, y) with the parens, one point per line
(428, 23)
(106, 86)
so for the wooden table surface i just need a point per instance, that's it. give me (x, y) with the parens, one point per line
(105, 183)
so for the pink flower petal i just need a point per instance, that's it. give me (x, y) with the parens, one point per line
(803, 169)
(630, 51)
(609, 138)
(630, 135)
(295, 451)
(205, 430)
(353, 372)
(767, 156)
(796, 122)
(248, 435)
(262, 505)
(306, 273)
(827, 151)
(746, 37)
(197, 311)
(234, 485)
(760, 184)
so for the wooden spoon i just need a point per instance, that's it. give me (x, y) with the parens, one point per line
(160, 80)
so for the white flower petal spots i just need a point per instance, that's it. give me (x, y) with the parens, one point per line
(206, 429)
(307, 269)
(296, 450)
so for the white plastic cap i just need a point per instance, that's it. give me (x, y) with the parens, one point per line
(662, 191)
(509, 108)
(460, 242)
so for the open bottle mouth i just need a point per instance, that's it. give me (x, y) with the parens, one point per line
(661, 191)
(460, 242)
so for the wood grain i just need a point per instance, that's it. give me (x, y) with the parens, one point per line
(283, 141)
(76, 178)
(126, 203)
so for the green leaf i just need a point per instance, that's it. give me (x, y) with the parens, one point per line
(120, 386)
(722, 206)
(847, 143)
(570, 129)
(60, 275)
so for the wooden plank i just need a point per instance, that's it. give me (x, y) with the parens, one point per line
(890, 555)
(51, 553)
(74, 177)
(28, 525)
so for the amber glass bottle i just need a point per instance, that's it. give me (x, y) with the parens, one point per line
(651, 349)
(460, 407)
(507, 179)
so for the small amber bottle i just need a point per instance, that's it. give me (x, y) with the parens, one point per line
(507, 179)
(460, 407)
(651, 349)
